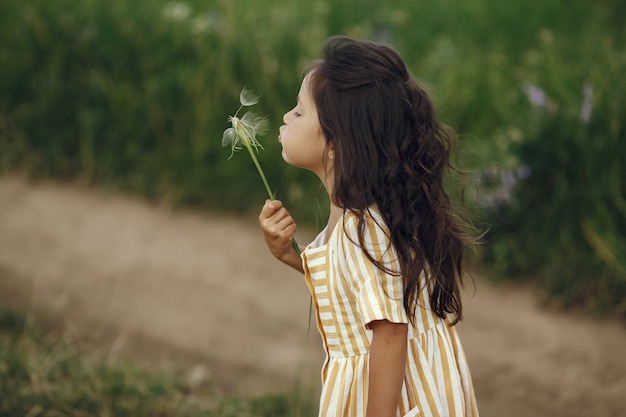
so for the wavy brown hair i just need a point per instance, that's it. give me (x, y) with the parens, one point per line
(391, 151)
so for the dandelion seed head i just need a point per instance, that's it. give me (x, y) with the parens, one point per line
(254, 123)
(229, 137)
(243, 131)
(247, 98)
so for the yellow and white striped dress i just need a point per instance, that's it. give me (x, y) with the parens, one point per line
(349, 292)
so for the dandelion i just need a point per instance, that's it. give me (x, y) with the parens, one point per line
(243, 133)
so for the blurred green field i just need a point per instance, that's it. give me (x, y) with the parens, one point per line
(134, 96)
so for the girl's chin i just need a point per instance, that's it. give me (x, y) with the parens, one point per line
(288, 160)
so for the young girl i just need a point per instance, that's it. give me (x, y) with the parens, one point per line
(385, 272)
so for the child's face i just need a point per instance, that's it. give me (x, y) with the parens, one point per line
(304, 144)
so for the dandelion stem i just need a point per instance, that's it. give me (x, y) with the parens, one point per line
(258, 167)
(267, 187)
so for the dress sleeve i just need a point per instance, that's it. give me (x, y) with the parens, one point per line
(379, 294)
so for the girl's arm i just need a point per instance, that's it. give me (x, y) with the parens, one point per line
(386, 367)
(278, 229)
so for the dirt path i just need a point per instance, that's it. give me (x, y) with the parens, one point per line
(202, 293)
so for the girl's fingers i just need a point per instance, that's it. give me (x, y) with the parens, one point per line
(279, 228)
(281, 215)
(273, 212)
(276, 222)
(270, 208)
(285, 222)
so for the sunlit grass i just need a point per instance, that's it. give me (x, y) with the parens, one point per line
(55, 373)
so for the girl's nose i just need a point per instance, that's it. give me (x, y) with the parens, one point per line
(286, 117)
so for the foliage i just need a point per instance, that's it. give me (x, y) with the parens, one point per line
(567, 221)
(134, 96)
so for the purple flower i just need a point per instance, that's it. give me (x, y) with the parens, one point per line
(496, 186)
(523, 172)
(536, 96)
(508, 180)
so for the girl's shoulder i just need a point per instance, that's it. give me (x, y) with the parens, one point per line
(368, 224)
(372, 217)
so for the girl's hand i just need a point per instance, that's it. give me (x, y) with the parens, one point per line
(278, 229)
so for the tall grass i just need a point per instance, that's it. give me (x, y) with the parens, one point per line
(134, 96)
(567, 222)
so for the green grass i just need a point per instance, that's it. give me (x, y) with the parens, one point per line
(51, 373)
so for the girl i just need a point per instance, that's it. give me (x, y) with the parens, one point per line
(385, 272)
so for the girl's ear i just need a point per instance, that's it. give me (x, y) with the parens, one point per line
(330, 149)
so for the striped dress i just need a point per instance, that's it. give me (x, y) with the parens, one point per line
(349, 292)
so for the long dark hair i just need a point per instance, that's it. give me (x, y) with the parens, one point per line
(391, 151)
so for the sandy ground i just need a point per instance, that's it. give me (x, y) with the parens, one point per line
(199, 293)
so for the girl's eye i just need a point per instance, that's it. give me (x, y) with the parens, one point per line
(297, 114)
